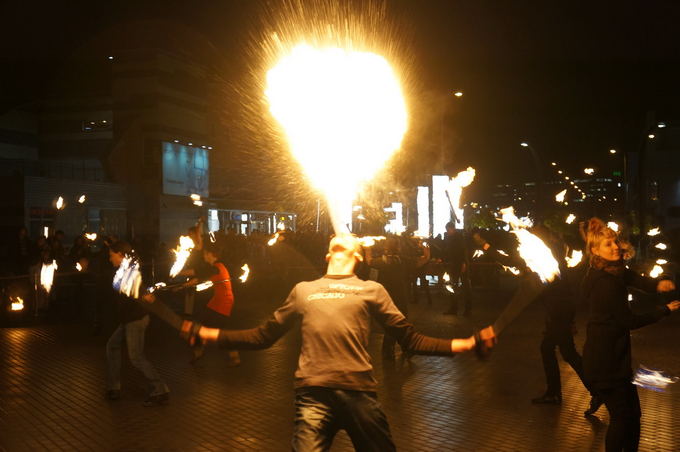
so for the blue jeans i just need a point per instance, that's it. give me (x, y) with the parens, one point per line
(133, 333)
(321, 412)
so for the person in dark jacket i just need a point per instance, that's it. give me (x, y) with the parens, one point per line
(607, 353)
(134, 319)
(335, 387)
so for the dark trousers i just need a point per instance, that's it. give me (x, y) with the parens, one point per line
(559, 335)
(623, 405)
(321, 412)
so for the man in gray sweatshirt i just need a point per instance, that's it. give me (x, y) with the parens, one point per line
(334, 384)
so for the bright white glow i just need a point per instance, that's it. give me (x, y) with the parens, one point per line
(560, 196)
(344, 115)
(441, 209)
(661, 261)
(661, 246)
(182, 253)
(570, 218)
(574, 259)
(535, 253)
(613, 226)
(204, 286)
(17, 304)
(82, 199)
(368, 241)
(455, 191)
(128, 277)
(653, 232)
(657, 270)
(60, 203)
(246, 272)
(47, 275)
(589, 171)
(423, 205)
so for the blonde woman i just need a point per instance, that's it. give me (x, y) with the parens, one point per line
(607, 354)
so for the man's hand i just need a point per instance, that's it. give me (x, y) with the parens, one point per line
(673, 305)
(665, 285)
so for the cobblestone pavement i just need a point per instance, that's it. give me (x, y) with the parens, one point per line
(52, 387)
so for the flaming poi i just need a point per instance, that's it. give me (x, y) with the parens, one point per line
(246, 272)
(182, 253)
(532, 250)
(47, 275)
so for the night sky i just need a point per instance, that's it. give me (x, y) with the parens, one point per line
(574, 78)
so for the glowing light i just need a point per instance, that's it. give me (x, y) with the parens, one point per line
(570, 218)
(128, 277)
(533, 251)
(574, 259)
(47, 275)
(455, 191)
(589, 171)
(81, 199)
(60, 203)
(656, 271)
(368, 241)
(246, 272)
(613, 226)
(17, 304)
(653, 232)
(273, 240)
(661, 246)
(337, 107)
(560, 196)
(204, 286)
(423, 205)
(182, 253)
(661, 261)
(79, 267)
(91, 236)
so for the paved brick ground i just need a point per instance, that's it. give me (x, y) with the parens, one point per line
(51, 393)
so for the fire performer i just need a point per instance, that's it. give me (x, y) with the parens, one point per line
(335, 387)
(133, 322)
(607, 354)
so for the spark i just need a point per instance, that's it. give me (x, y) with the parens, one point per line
(535, 253)
(613, 226)
(570, 219)
(653, 232)
(128, 277)
(661, 246)
(182, 253)
(17, 304)
(246, 272)
(574, 259)
(343, 113)
(60, 203)
(82, 198)
(657, 270)
(47, 275)
(560, 196)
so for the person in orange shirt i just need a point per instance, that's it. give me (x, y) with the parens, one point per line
(218, 310)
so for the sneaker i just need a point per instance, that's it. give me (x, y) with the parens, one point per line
(113, 394)
(156, 400)
(548, 399)
(595, 404)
